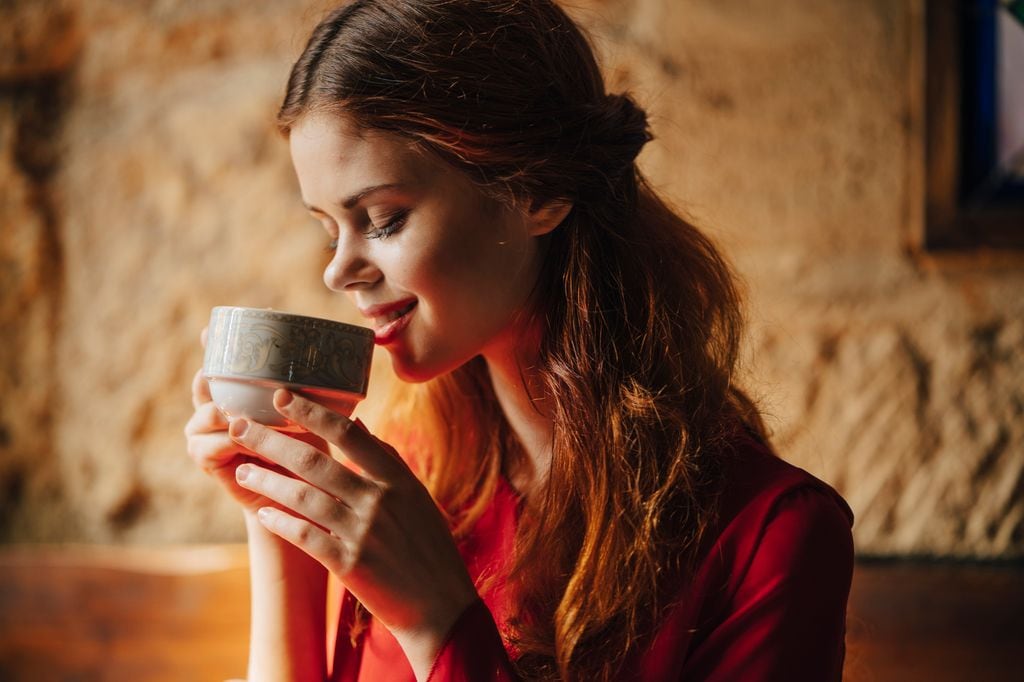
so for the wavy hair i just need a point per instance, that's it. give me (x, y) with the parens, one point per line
(639, 312)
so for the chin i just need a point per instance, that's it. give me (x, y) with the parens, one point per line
(413, 371)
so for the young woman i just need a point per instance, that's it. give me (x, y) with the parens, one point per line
(571, 485)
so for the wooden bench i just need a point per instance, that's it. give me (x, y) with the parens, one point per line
(181, 613)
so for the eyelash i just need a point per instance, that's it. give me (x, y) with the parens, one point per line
(393, 225)
(383, 232)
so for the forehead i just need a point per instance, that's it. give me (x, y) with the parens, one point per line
(330, 152)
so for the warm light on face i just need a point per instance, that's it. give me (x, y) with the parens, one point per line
(441, 270)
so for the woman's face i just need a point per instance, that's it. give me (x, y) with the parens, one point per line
(441, 272)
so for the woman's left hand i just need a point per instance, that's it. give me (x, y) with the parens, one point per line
(378, 529)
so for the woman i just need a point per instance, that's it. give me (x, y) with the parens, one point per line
(570, 486)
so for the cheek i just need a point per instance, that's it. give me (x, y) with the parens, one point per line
(418, 269)
(464, 267)
(430, 265)
(488, 256)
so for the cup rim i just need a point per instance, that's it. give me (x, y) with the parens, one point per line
(298, 319)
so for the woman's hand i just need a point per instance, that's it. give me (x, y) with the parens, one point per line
(377, 528)
(214, 451)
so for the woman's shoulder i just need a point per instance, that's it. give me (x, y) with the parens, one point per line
(771, 508)
(757, 481)
(767, 597)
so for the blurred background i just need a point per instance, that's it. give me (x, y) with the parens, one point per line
(820, 142)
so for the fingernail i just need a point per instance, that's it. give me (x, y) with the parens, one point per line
(263, 514)
(284, 397)
(242, 473)
(239, 427)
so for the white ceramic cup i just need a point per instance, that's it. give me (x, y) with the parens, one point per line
(251, 352)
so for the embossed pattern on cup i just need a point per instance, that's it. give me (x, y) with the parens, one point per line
(252, 351)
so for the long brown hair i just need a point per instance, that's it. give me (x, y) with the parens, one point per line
(639, 313)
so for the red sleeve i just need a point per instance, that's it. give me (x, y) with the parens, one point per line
(473, 651)
(787, 617)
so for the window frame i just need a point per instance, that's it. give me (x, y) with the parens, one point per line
(954, 75)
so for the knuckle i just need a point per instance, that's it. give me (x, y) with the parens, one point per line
(359, 530)
(198, 449)
(301, 496)
(194, 425)
(335, 558)
(302, 408)
(307, 459)
(343, 481)
(194, 447)
(336, 511)
(343, 428)
(351, 556)
(373, 500)
(255, 437)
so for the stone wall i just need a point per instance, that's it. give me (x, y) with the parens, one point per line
(143, 183)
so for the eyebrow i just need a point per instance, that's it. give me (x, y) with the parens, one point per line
(350, 201)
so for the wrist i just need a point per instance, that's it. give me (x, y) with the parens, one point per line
(423, 643)
(288, 593)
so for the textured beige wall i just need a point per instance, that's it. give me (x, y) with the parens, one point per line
(143, 183)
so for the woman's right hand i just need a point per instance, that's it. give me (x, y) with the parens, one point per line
(214, 452)
(210, 447)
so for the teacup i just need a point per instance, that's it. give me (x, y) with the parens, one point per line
(251, 352)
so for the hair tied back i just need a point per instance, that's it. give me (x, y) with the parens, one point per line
(613, 131)
(621, 127)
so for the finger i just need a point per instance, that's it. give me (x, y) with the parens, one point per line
(377, 460)
(200, 389)
(317, 543)
(213, 450)
(325, 510)
(298, 457)
(206, 419)
(204, 335)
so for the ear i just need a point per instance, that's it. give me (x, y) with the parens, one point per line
(545, 217)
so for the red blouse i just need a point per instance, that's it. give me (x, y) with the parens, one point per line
(767, 602)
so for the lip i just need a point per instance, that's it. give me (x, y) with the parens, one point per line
(386, 332)
(382, 309)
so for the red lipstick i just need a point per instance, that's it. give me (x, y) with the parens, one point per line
(389, 319)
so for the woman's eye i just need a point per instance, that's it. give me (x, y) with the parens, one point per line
(393, 224)
(331, 229)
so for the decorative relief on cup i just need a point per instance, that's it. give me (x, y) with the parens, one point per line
(252, 350)
(288, 348)
(321, 359)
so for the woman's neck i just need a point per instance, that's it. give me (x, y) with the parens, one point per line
(518, 390)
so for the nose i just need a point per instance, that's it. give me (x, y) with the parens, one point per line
(350, 269)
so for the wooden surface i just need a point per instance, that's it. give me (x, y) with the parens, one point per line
(181, 614)
(81, 613)
(936, 622)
